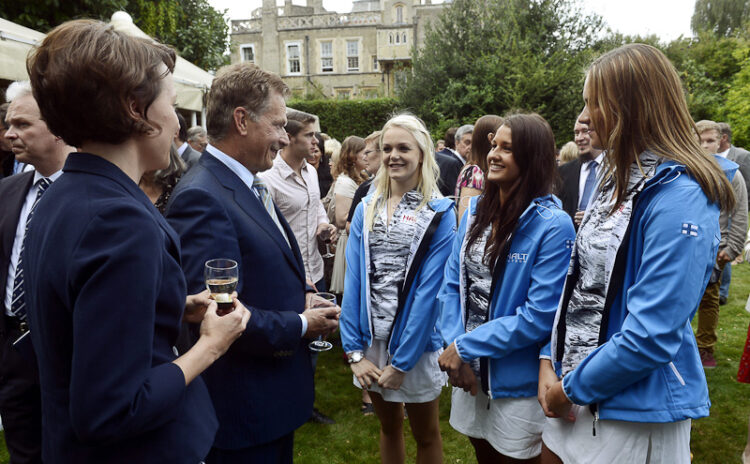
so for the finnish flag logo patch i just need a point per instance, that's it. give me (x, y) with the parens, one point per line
(691, 230)
(569, 244)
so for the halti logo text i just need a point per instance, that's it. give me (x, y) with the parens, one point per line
(517, 257)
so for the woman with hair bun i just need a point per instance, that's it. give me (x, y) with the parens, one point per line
(104, 287)
(400, 237)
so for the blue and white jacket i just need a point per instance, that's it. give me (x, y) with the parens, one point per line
(647, 367)
(527, 284)
(413, 332)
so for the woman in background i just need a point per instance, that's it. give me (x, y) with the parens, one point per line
(348, 173)
(158, 185)
(472, 177)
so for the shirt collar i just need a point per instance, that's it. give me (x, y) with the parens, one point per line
(52, 178)
(242, 172)
(724, 153)
(182, 148)
(284, 169)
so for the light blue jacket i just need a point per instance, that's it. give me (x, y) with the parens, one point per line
(647, 367)
(524, 300)
(413, 331)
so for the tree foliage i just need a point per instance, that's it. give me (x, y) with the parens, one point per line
(722, 18)
(342, 118)
(196, 30)
(484, 57)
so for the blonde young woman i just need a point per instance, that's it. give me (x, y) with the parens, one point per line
(400, 238)
(348, 174)
(644, 252)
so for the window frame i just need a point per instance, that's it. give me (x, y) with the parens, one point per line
(288, 58)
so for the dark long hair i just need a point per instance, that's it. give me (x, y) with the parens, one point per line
(533, 147)
(480, 144)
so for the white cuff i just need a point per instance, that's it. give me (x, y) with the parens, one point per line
(304, 324)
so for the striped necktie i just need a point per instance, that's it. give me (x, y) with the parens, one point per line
(265, 198)
(18, 303)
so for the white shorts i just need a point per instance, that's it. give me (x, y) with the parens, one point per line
(617, 442)
(422, 384)
(513, 426)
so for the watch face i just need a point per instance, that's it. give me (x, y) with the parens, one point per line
(355, 357)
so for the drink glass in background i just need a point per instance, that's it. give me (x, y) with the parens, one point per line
(321, 300)
(326, 237)
(221, 277)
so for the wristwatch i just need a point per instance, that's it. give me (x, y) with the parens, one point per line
(355, 357)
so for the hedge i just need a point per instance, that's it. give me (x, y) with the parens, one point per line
(342, 118)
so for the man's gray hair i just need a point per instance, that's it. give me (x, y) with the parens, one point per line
(195, 132)
(17, 89)
(463, 130)
(726, 130)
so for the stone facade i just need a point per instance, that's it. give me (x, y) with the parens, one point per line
(322, 54)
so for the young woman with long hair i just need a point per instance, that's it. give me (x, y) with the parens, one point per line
(622, 341)
(400, 238)
(502, 283)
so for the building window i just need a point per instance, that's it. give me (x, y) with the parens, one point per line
(374, 62)
(343, 94)
(403, 38)
(292, 59)
(352, 55)
(390, 38)
(326, 56)
(399, 14)
(398, 38)
(247, 53)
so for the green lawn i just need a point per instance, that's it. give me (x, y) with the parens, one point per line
(718, 439)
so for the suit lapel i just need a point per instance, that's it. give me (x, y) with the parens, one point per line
(253, 207)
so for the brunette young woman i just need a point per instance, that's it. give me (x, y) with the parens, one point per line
(400, 238)
(502, 283)
(105, 291)
(625, 379)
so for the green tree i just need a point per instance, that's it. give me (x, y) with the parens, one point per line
(722, 18)
(196, 30)
(737, 103)
(483, 57)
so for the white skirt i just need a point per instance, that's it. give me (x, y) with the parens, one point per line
(513, 426)
(617, 442)
(422, 384)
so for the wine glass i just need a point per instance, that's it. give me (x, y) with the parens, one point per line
(321, 300)
(326, 237)
(222, 276)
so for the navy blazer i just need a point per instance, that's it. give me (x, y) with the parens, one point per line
(262, 388)
(105, 298)
(450, 168)
(570, 174)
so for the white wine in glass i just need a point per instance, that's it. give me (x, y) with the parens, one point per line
(222, 276)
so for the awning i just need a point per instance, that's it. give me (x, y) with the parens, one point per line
(15, 44)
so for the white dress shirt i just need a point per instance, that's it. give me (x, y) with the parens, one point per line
(247, 178)
(182, 149)
(15, 253)
(724, 153)
(298, 198)
(585, 172)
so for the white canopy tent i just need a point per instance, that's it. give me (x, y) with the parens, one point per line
(17, 41)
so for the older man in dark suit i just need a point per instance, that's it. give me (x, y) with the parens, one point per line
(32, 143)
(449, 164)
(262, 389)
(580, 176)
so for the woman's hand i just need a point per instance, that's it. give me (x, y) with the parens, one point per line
(547, 378)
(558, 403)
(195, 306)
(391, 378)
(366, 372)
(221, 331)
(450, 361)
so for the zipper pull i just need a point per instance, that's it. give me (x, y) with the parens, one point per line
(488, 401)
(596, 419)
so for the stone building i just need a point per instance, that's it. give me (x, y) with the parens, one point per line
(323, 54)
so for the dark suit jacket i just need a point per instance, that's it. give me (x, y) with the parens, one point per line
(450, 168)
(6, 163)
(13, 191)
(262, 388)
(570, 174)
(742, 158)
(190, 156)
(105, 296)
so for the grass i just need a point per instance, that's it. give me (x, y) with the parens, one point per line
(717, 439)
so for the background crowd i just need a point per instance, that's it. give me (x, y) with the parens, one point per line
(535, 290)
